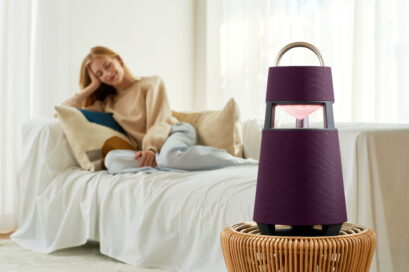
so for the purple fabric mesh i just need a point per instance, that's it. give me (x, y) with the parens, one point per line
(299, 83)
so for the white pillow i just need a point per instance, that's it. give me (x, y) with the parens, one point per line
(252, 130)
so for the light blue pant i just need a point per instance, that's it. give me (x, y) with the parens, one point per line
(178, 152)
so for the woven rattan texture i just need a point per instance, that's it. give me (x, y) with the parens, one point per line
(246, 250)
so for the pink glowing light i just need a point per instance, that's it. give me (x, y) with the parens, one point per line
(299, 111)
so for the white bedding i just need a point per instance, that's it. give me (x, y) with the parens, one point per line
(150, 220)
(174, 220)
(144, 219)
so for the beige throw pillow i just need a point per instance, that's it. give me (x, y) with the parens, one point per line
(91, 139)
(219, 129)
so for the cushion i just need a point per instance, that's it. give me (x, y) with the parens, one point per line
(219, 129)
(91, 135)
(102, 118)
(252, 131)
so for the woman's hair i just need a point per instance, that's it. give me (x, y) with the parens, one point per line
(103, 90)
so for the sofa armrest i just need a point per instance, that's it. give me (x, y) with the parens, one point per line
(45, 153)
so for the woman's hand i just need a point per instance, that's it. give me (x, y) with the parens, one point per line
(148, 158)
(95, 82)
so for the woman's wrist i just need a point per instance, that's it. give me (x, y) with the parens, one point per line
(81, 96)
(150, 149)
(90, 89)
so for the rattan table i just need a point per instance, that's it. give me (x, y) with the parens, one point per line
(245, 249)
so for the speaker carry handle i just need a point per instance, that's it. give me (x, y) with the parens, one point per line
(299, 44)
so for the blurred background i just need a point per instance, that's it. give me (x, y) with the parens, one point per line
(205, 50)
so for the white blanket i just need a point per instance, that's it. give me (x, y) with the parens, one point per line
(163, 219)
(174, 220)
(146, 220)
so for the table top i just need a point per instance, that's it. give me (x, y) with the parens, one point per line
(251, 228)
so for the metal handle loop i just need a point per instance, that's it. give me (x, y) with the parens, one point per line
(299, 44)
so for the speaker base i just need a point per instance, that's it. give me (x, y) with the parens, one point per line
(324, 230)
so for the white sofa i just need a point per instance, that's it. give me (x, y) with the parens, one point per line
(173, 220)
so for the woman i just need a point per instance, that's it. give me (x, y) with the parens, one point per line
(141, 107)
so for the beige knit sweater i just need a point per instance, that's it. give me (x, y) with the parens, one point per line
(142, 110)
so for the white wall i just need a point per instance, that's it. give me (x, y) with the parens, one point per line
(154, 37)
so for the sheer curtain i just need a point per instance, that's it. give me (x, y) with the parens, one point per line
(365, 42)
(33, 45)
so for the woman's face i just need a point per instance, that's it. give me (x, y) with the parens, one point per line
(108, 70)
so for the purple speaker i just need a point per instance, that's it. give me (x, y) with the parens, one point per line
(299, 183)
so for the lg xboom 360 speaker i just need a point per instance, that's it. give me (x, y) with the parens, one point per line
(299, 183)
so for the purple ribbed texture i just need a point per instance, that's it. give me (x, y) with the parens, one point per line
(300, 178)
(299, 83)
